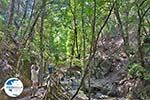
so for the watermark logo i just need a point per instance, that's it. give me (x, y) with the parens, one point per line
(13, 87)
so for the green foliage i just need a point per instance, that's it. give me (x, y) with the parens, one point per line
(1, 36)
(147, 75)
(59, 28)
(136, 70)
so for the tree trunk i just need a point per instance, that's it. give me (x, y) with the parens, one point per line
(139, 35)
(11, 12)
(93, 38)
(127, 25)
(93, 54)
(84, 34)
(41, 43)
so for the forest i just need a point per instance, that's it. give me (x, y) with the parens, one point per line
(76, 49)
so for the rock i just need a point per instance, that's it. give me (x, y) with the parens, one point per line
(26, 92)
(25, 98)
(100, 96)
(74, 71)
(107, 85)
(95, 84)
(40, 92)
(81, 95)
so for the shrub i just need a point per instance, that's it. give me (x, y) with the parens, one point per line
(136, 70)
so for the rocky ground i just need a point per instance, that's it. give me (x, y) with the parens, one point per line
(109, 78)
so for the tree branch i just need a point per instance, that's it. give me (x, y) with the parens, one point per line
(94, 51)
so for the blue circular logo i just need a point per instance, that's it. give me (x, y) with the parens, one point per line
(13, 87)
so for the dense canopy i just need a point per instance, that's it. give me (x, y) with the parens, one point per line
(107, 41)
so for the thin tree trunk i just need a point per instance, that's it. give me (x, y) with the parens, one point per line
(75, 42)
(139, 35)
(41, 43)
(127, 25)
(26, 9)
(149, 25)
(73, 11)
(10, 21)
(83, 32)
(139, 44)
(33, 6)
(75, 28)
(117, 14)
(93, 37)
(11, 12)
(84, 38)
(31, 30)
(93, 54)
